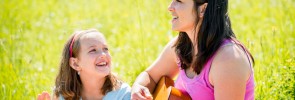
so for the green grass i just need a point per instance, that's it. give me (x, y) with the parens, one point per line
(33, 32)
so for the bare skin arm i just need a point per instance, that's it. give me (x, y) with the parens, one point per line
(165, 65)
(229, 73)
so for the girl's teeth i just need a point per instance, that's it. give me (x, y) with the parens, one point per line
(102, 63)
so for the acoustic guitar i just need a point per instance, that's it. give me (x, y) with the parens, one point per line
(165, 91)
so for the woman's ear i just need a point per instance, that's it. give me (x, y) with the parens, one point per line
(202, 10)
(74, 64)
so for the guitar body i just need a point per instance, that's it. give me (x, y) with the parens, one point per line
(165, 91)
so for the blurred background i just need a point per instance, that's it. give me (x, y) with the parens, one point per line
(33, 32)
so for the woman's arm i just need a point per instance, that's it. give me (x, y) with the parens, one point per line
(229, 73)
(165, 65)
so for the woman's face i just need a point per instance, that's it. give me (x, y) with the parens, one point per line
(183, 14)
(94, 57)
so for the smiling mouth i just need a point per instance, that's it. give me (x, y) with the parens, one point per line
(102, 64)
(175, 17)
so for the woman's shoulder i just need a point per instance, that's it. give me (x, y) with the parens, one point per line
(230, 62)
(172, 41)
(232, 52)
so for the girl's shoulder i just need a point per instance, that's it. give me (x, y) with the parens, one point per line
(123, 88)
(121, 93)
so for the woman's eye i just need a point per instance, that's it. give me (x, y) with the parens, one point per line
(178, 0)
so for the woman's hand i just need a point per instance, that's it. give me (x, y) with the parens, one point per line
(140, 92)
(44, 96)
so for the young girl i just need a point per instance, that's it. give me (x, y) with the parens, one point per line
(85, 71)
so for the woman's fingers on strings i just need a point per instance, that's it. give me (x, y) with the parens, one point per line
(146, 93)
(138, 96)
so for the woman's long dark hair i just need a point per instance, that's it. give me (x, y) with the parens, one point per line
(216, 27)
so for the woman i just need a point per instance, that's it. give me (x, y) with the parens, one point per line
(209, 61)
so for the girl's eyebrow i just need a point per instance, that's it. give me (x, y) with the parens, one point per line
(92, 46)
(105, 45)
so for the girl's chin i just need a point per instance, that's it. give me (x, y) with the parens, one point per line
(103, 70)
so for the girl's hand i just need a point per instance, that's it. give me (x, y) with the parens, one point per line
(44, 96)
(140, 92)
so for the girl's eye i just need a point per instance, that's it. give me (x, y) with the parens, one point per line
(106, 49)
(93, 50)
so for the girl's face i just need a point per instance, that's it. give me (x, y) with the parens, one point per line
(94, 58)
(183, 15)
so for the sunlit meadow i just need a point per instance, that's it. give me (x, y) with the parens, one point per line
(33, 32)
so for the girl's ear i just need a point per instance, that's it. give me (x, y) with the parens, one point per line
(202, 10)
(74, 64)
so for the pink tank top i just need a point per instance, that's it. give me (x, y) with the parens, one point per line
(199, 87)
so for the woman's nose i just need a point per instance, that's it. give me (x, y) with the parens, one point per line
(170, 7)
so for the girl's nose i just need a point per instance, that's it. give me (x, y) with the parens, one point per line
(102, 55)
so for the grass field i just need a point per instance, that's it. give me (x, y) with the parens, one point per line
(33, 32)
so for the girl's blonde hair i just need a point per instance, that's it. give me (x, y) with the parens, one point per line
(68, 83)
